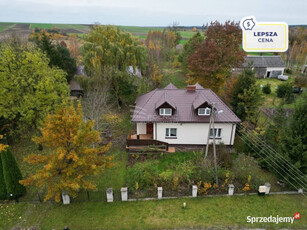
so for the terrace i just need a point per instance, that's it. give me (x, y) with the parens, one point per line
(146, 143)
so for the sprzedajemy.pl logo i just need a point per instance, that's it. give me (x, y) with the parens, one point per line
(273, 219)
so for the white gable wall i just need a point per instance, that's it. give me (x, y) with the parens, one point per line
(270, 69)
(141, 128)
(194, 133)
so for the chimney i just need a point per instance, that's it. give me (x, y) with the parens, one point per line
(191, 88)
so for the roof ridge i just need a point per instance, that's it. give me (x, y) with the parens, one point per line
(154, 91)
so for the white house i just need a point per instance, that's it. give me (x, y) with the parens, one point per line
(181, 116)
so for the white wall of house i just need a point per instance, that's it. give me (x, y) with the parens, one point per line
(141, 128)
(194, 133)
(270, 69)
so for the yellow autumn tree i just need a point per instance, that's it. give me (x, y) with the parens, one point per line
(156, 76)
(75, 154)
(3, 147)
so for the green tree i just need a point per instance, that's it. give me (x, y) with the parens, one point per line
(189, 48)
(246, 95)
(3, 194)
(294, 136)
(284, 90)
(12, 175)
(266, 89)
(108, 53)
(29, 88)
(58, 54)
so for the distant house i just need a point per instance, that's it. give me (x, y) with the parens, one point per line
(77, 91)
(75, 88)
(134, 71)
(265, 66)
(180, 117)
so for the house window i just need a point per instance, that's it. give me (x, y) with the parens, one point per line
(171, 132)
(204, 111)
(217, 133)
(165, 112)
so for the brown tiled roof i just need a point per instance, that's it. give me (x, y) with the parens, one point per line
(146, 109)
(170, 86)
(200, 99)
(74, 85)
(166, 99)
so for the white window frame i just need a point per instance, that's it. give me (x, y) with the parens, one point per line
(162, 112)
(168, 132)
(207, 111)
(217, 131)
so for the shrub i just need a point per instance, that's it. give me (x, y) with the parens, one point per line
(12, 175)
(266, 89)
(143, 173)
(247, 167)
(2, 183)
(284, 90)
(300, 81)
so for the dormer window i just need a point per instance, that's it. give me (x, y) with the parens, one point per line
(204, 111)
(165, 112)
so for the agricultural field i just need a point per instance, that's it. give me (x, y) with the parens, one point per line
(79, 29)
(4, 26)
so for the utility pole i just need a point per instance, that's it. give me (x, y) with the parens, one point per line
(208, 138)
(214, 149)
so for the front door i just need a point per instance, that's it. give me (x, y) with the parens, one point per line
(149, 128)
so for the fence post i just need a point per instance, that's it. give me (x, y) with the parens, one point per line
(160, 189)
(65, 198)
(268, 187)
(109, 195)
(231, 189)
(194, 191)
(261, 190)
(124, 193)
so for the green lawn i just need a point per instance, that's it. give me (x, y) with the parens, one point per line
(187, 34)
(258, 54)
(271, 100)
(207, 212)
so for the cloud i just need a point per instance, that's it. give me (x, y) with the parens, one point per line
(150, 13)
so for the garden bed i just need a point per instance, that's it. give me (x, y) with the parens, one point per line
(176, 173)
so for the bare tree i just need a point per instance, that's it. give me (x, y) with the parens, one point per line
(96, 103)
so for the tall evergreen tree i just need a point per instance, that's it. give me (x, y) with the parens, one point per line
(2, 183)
(294, 136)
(58, 54)
(246, 95)
(12, 175)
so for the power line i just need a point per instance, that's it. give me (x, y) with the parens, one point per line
(263, 144)
(273, 161)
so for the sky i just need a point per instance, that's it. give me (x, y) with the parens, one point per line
(151, 13)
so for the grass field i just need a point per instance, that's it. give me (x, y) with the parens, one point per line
(271, 100)
(4, 26)
(207, 212)
(136, 31)
(58, 26)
